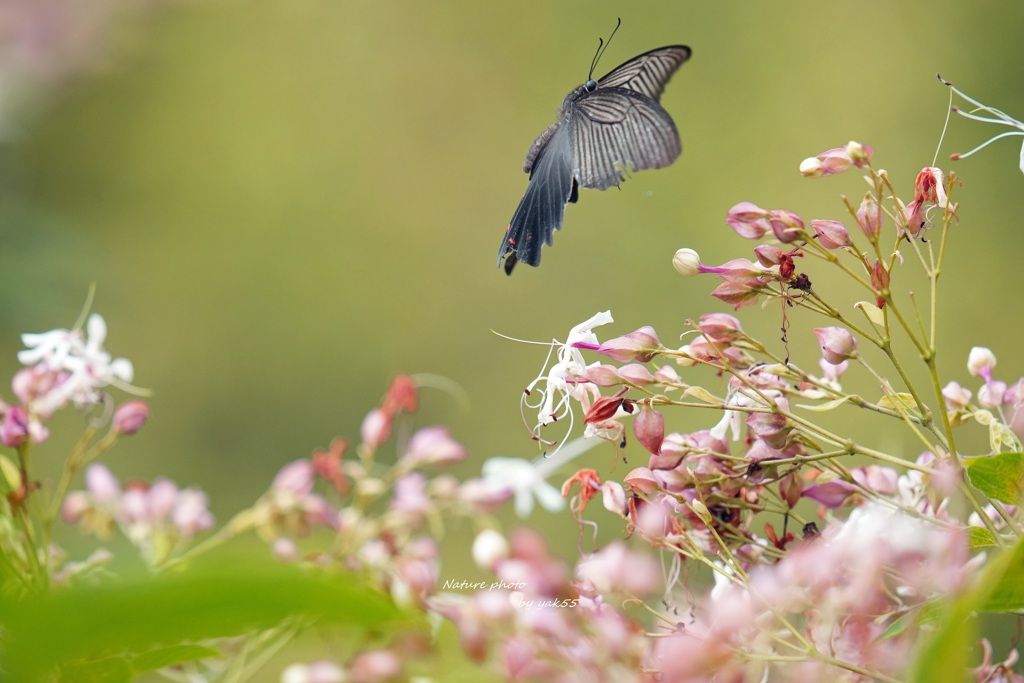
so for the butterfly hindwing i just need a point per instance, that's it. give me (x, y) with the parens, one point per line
(614, 130)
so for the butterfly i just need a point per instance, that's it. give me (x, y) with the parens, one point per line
(604, 129)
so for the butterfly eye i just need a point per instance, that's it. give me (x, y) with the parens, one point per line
(590, 85)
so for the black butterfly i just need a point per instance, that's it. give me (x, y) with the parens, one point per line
(602, 126)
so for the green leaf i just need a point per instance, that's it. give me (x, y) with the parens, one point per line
(164, 657)
(83, 623)
(1003, 582)
(980, 538)
(998, 476)
(106, 670)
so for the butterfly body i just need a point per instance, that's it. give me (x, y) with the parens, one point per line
(605, 129)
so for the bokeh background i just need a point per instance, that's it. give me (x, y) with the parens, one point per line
(283, 204)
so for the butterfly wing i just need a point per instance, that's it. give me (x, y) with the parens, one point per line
(620, 124)
(542, 207)
(648, 73)
(613, 130)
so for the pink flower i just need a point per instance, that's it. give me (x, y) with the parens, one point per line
(837, 344)
(786, 225)
(956, 396)
(831, 494)
(375, 666)
(296, 477)
(837, 160)
(376, 428)
(615, 568)
(720, 328)
(433, 446)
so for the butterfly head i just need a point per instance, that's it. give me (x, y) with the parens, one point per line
(590, 85)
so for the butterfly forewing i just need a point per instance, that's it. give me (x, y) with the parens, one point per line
(648, 73)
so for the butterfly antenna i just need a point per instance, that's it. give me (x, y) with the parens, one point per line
(601, 43)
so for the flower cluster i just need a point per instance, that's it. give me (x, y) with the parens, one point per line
(825, 548)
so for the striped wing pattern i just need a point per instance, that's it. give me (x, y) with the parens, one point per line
(601, 135)
(648, 73)
(617, 130)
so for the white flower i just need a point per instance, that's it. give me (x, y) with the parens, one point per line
(80, 362)
(527, 479)
(569, 366)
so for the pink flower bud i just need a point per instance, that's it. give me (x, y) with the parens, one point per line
(190, 515)
(956, 396)
(649, 428)
(772, 428)
(748, 220)
(686, 262)
(603, 375)
(991, 394)
(739, 295)
(831, 494)
(637, 374)
(613, 497)
(836, 160)
(641, 345)
(434, 446)
(641, 480)
(768, 255)
(837, 344)
(101, 483)
(375, 666)
(296, 477)
(869, 217)
(720, 328)
(376, 428)
(790, 488)
(831, 234)
(14, 429)
(786, 225)
(130, 416)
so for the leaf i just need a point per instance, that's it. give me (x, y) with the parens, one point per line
(872, 312)
(980, 538)
(10, 473)
(1000, 588)
(1003, 580)
(998, 476)
(81, 623)
(825, 407)
(702, 394)
(164, 657)
(901, 402)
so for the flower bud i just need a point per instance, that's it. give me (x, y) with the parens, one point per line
(640, 345)
(837, 344)
(376, 428)
(956, 396)
(869, 217)
(649, 428)
(720, 328)
(980, 362)
(434, 446)
(130, 416)
(748, 220)
(489, 549)
(613, 497)
(687, 262)
(831, 234)
(786, 225)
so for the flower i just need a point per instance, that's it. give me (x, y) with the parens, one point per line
(527, 480)
(433, 446)
(686, 262)
(79, 363)
(836, 160)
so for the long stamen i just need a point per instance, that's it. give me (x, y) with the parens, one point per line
(1006, 121)
(988, 142)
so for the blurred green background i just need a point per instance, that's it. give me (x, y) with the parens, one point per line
(283, 204)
